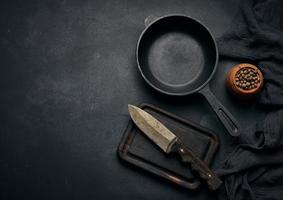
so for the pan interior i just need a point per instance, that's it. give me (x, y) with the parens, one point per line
(177, 54)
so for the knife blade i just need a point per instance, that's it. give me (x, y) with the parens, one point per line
(169, 142)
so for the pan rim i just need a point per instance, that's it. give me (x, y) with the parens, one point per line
(177, 93)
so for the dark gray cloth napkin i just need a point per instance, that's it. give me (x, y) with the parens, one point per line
(254, 170)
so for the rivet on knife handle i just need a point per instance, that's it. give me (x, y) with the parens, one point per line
(198, 165)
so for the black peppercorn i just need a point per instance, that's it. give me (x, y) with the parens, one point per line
(247, 78)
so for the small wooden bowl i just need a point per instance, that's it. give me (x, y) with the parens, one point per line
(231, 81)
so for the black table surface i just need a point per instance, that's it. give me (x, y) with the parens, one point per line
(68, 72)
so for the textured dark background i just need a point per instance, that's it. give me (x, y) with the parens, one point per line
(68, 72)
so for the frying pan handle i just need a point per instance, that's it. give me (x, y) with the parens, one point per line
(230, 123)
(149, 19)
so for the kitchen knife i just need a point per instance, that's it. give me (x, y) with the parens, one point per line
(169, 142)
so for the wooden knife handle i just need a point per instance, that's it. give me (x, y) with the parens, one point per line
(198, 165)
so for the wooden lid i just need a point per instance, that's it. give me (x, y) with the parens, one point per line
(235, 76)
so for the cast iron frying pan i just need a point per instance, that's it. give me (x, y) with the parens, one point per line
(177, 55)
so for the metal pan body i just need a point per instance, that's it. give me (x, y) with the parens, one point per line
(177, 55)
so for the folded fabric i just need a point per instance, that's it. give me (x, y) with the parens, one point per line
(254, 170)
